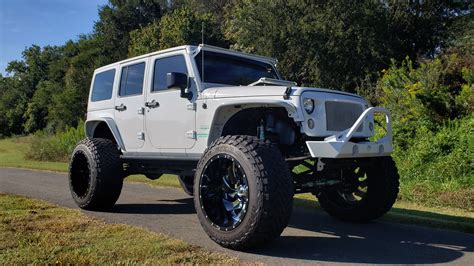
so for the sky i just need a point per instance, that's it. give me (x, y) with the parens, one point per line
(42, 22)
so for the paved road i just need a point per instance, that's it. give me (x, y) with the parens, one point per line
(312, 237)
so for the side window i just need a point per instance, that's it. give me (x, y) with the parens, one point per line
(131, 81)
(167, 65)
(103, 84)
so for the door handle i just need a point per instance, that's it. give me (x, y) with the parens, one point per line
(120, 107)
(152, 104)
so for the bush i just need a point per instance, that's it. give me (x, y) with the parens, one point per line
(438, 168)
(433, 122)
(426, 97)
(57, 147)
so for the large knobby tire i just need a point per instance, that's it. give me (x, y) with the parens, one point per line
(268, 196)
(95, 174)
(382, 182)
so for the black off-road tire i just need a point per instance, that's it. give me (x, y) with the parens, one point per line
(270, 186)
(382, 191)
(186, 183)
(95, 174)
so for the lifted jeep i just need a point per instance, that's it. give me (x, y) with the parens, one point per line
(241, 140)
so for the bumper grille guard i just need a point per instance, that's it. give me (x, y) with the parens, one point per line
(340, 146)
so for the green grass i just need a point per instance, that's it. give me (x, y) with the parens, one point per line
(35, 232)
(164, 180)
(12, 153)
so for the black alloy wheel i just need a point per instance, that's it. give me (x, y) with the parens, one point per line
(243, 192)
(224, 192)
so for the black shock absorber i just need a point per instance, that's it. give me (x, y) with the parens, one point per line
(261, 130)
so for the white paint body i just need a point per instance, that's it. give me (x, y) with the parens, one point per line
(182, 129)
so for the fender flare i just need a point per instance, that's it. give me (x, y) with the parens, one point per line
(90, 126)
(217, 126)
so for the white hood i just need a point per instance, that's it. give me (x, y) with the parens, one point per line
(261, 91)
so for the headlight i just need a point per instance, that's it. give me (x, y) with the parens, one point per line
(308, 105)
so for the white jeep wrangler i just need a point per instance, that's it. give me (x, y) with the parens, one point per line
(242, 141)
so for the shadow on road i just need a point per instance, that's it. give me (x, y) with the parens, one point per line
(320, 237)
(178, 206)
(376, 242)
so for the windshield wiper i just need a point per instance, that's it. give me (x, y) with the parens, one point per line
(270, 81)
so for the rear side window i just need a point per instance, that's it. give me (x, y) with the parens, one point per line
(131, 81)
(103, 84)
(167, 65)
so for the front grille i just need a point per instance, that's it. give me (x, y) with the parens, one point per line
(342, 115)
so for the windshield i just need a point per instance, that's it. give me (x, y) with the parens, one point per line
(232, 70)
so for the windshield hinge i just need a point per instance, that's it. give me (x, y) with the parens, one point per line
(287, 94)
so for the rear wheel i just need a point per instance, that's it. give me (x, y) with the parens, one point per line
(95, 174)
(243, 192)
(367, 192)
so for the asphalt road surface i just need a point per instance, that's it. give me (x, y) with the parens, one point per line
(311, 238)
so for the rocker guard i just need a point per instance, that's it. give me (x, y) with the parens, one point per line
(340, 146)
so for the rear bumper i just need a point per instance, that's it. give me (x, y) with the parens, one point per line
(339, 146)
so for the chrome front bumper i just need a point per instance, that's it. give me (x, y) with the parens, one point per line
(339, 146)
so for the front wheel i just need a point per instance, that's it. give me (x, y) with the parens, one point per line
(243, 192)
(367, 192)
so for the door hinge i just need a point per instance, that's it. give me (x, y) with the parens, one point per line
(191, 106)
(141, 135)
(141, 110)
(191, 134)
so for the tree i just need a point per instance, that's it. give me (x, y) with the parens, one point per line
(120, 17)
(179, 27)
(68, 106)
(183, 26)
(144, 40)
(338, 44)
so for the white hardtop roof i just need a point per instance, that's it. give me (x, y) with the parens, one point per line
(194, 50)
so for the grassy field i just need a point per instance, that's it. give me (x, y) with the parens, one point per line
(13, 150)
(33, 231)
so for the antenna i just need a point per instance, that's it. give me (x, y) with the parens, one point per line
(202, 52)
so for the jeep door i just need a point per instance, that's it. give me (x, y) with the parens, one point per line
(129, 104)
(170, 119)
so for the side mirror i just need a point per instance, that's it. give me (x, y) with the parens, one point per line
(181, 81)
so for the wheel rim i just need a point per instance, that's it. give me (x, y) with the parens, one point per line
(223, 192)
(80, 175)
(354, 187)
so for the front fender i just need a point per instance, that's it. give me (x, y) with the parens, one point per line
(224, 109)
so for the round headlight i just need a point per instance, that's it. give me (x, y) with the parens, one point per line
(308, 105)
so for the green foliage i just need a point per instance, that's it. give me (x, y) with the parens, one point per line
(179, 27)
(12, 107)
(36, 114)
(145, 40)
(438, 167)
(118, 19)
(57, 147)
(433, 125)
(183, 26)
(338, 44)
(462, 33)
(424, 98)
